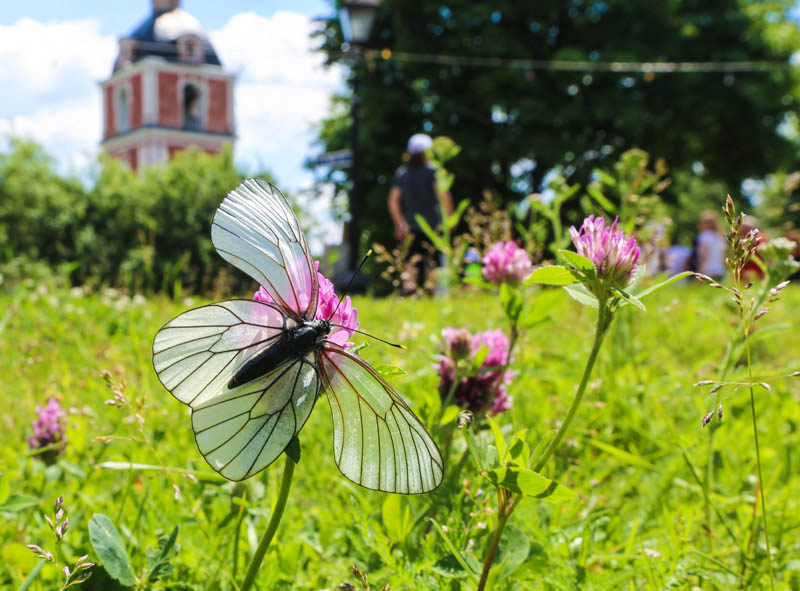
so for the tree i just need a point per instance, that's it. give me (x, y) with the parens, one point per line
(515, 125)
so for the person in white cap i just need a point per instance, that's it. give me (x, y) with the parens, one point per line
(414, 192)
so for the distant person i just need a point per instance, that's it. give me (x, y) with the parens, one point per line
(413, 192)
(710, 246)
(676, 259)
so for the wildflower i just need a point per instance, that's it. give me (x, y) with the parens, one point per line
(615, 255)
(343, 322)
(506, 262)
(485, 388)
(48, 430)
(457, 342)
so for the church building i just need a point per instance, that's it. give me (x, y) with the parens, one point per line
(168, 91)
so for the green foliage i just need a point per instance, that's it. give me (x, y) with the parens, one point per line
(144, 232)
(639, 512)
(110, 549)
(578, 121)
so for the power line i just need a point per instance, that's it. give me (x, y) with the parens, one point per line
(653, 67)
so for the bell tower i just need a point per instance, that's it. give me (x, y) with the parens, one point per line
(167, 92)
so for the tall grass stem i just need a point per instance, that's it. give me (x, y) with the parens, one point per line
(758, 459)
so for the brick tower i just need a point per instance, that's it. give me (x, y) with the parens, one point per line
(167, 92)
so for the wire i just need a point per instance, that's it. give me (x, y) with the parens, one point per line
(579, 65)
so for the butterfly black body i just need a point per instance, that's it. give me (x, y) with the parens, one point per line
(296, 342)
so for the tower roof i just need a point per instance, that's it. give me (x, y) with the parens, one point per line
(170, 33)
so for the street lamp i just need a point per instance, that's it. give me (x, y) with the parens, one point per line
(357, 18)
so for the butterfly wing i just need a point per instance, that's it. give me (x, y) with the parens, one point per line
(378, 441)
(256, 230)
(242, 430)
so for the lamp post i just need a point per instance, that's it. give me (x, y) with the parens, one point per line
(357, 18)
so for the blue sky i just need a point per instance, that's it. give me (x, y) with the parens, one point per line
(54, 53)
(120, 17)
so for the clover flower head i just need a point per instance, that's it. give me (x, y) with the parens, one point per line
(484, 389)
(345, 318)
(615, 255)
(497, 343)
(505, 262)
(457, 342)
(48, 429)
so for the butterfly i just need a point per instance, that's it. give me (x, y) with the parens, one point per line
(251, 371)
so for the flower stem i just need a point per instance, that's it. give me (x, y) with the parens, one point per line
(758, 457)
(274, 520)
(504, 510)
(604, 317)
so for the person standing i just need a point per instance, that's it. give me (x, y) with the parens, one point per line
(414, 192)
(711, 246)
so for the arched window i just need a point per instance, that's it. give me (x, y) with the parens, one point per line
(123, 110)
(192, 108)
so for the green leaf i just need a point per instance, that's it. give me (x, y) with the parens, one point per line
(512, 551)
(474, 449)
(293, 450)
(452, 220)
(110, 549)
(435, 239)
(450, 414)
(604, 177)
(529, 483)
(479, 282)
(396, 517)
(580, 262)
(18, 502)
(629, 298)
(601, 199)
(5, 488)
(480, 357)
(32, 576)
(667, 282)
(158, 560)
(463, 560)
(127, 466)
(581, 294)
(539, 310)
(518, 451)
(499, 440)
(553, 275)
(511, 302)
(621, 454)
(389, 370)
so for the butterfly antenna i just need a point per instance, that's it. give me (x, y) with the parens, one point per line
(372, 336)
(350, 283)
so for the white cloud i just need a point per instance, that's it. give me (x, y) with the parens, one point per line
(282, 88)
(49, 73)
(53, 70)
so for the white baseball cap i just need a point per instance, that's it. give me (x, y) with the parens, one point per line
(418, 143)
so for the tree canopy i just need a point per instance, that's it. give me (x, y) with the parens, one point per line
(515, 124)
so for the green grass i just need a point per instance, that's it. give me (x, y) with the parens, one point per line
(640, 521)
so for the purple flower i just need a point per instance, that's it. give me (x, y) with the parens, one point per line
(48, 430)
(485, 389)
(457, 342)
(615, 255)
(506, 262)
(345, 318)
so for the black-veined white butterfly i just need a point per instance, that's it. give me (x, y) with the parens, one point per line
(252, 371)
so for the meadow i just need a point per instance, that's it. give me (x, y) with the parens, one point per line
(660, 502)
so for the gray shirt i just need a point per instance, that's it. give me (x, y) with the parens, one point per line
(416, 186)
